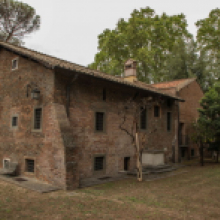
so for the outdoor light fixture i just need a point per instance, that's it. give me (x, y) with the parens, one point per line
(35, 92)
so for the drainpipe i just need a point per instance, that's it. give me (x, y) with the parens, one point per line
(178, 133)
(68, 89)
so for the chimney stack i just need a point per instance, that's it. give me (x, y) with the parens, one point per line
(130, 72)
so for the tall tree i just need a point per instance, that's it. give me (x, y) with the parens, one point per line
(209, 120)
(208, 38)
(146, 37)
(16, 20)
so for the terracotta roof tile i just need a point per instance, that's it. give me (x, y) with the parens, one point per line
(178, 84)
(53, 62)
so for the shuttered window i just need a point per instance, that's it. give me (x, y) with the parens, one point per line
(99, 121)
(37, 118)
(29, 166)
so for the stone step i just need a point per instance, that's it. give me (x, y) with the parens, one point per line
(163, 170)
(159, 167)
(134, 172)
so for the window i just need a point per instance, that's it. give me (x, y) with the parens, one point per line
(126, 163)
(14, 122)
(104, 94)
(169, 103)
(37, 118)
(14, 64)
(192, 152)
(6, 163)
(168, 121)
(156, 111)
(143, 118)
(29, 165)
(99, 163)
(99, 121)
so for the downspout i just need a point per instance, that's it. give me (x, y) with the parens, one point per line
(68, 89)
(178, 133)
(178, 128)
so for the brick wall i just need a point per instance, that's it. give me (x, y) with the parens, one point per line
(192, 94)
(86, 98)
(17, 144)
(65, 148)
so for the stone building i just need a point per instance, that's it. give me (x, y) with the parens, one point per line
(59, 121)
(191, 92)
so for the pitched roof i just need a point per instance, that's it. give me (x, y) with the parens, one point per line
(53, 62)
(177, 84)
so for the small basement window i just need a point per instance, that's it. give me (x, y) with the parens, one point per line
(6, 163)
(14, 64)
(14, 122)
(99, 121)
(156, 111)
(29, 165)
(99, 163)
(126, 163)
(37, 118)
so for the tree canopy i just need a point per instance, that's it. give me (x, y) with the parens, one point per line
(210, 112)
(16, 20)
(145, 37)
(208, 39)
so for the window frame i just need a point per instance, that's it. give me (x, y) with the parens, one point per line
(103, 171)
(104, 94)
(11, 121)
(170, 127)
(104, 121)
(12, 64)
(159, 111)
(33, 119)
(140, 119)
(6, 159)
(25, 165)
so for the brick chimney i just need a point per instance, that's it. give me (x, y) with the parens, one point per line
(130, 72)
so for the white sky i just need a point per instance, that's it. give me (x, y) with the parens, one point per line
(70, 28)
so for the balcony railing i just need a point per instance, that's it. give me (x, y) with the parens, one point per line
(183, 140)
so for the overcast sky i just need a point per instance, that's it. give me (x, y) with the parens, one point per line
(69, 28)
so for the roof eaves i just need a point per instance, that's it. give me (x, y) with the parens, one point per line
(81, 69)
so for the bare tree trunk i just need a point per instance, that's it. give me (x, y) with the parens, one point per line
(201, 154)
(139, 164)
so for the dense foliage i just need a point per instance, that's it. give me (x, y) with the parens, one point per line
(163, 47)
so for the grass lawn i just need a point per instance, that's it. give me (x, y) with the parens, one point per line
(191, 195)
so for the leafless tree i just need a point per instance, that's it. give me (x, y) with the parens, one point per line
(130, 113)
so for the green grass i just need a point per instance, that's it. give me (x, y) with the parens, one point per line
(190, 195)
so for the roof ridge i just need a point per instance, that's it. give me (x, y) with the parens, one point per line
(41, 53)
